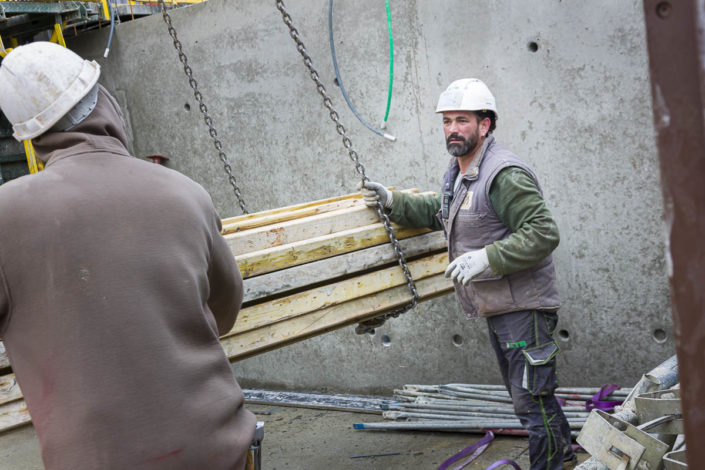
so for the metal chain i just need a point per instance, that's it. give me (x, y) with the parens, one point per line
(347, 143)
(204, 110)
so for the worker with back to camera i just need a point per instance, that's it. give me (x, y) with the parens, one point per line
(115, 284)
(500, 238)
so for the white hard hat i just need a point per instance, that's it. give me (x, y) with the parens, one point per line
(467, 94)
(40, 83)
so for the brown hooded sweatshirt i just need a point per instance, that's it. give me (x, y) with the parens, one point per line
(114, 286)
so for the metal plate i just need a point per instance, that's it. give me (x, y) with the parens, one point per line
(609, 439)
(650, 406)
(675, 460)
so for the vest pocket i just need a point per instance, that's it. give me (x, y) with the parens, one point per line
(492, 295)
(467, 219)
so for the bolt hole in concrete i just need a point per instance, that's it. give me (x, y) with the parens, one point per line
(386, 341)
(563, 335)
(187, 107)
(663, 10)
(659, 335)
(457, 340)
(533, 46)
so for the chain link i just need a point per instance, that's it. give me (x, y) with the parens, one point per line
(202, 107)
(367, 325)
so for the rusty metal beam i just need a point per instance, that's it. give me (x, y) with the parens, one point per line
(676, 46)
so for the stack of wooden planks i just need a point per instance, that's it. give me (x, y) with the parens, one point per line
(308, 269)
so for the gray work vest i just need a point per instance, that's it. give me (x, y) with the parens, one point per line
(472, 224)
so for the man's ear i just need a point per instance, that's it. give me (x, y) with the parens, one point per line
(485, 126)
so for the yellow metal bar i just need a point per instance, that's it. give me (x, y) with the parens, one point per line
(3, 51)
(58, 36)
(32, 162)
(106, 10)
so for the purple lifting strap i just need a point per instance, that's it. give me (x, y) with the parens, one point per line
(504, 462)
(598, 401)
(468, 450)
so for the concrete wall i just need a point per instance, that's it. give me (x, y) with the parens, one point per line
(572, 87)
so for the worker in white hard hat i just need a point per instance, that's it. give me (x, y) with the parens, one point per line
(115, 284)
(500, 238)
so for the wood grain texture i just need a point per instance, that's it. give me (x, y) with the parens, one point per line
(328, 295)
(332, 268)
(277, 335)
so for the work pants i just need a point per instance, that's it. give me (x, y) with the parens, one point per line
(523, 343)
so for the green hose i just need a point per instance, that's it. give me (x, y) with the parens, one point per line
(391, 63)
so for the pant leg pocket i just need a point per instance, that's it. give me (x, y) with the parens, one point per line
(539, 369)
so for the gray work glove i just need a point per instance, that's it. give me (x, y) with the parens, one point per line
(468, 266)
(373, 192)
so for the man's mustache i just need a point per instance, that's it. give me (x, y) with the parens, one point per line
(455, 137)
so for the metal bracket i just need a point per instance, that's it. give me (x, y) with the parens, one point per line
(654, 405)
(620, 445)
(675, 460)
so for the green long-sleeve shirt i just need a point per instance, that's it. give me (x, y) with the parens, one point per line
(518, 204)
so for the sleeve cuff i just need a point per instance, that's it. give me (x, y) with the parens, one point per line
(493, 258)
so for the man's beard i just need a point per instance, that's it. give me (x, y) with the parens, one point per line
(468, 146)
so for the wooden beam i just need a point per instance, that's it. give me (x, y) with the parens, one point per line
(331, 268)
(250, 343)
(287, 209)
(9, 390)
(290, 231)
(4, 360)
(261, 221)
(281, 214)
(305, 251)
(14, 415)
(325, 296)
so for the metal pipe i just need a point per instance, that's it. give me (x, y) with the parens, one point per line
(446, 426)
(462, 416)
(564, 390)
(462, 406)
(480, 396)
(470, 411)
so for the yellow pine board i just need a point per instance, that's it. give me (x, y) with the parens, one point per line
(321, 297)
(4, 360)
(9, 390)
(260, 340)
(284, 210)
(14, 415)
(291, 231)
(324, 270)
(305, 251)
(279, 217)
